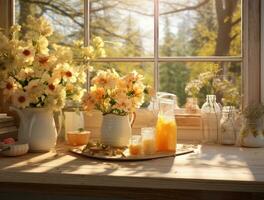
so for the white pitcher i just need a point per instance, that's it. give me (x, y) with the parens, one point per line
(37, 128)
(116, 130)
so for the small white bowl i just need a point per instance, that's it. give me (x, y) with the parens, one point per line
(16, 149)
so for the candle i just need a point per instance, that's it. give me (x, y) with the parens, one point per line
(135, 146)
(76, 138)
(148, 140)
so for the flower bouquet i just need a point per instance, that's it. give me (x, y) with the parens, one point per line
(37, 77)
(36, 73)
(116, 96)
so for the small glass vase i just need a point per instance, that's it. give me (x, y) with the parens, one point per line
(191, 105)
(227, 126)
(211, 114)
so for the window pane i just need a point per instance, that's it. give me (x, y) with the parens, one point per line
(66, 17)
(222, 79)
(200, 28)
(126, 26)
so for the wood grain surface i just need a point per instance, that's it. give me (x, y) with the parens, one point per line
(221, 168)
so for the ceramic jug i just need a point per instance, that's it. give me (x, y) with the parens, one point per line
(116, 130)
(37, 128)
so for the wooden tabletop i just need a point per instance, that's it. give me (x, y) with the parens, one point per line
(221, 168)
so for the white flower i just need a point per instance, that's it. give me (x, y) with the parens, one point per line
(53, 88)
(20, 99)
(68, 73)
(34, 90)
(24, 53)
(25, 74)
(9, 86)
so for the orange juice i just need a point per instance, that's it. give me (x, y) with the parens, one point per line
(166, 134)
(135, 149)
(76, 138)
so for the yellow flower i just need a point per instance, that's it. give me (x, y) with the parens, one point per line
(62, 53)
(78, 94)
(42, 45)
(97, 93)
(88, 102)
(98, 42)
(88, 52)
(106, 79)
(123, 103)
(38, 26)
(4, 44)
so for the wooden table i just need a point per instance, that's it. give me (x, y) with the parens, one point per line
(212, 172)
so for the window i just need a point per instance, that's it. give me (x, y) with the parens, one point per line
(170, 42)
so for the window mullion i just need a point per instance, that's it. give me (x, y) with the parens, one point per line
(156, 45)
(86, 22)
(87, 33)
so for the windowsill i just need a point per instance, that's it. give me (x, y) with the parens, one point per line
(189, 125)
(217, 168)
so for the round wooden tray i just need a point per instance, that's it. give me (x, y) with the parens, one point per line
(181, 150)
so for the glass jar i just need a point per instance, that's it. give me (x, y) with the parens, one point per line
(227, 126)
(211, 114)
(135, 145)
(166, 129)
(191, 105)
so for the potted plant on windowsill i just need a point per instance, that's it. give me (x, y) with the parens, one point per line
(251, 132)
(116, 97)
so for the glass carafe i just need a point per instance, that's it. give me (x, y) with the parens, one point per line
(166, 131)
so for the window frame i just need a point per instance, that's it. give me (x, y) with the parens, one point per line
(262, 52)
(157, 59)
(252, 75)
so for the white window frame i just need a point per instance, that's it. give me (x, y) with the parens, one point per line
(156, 59)
(262, 51)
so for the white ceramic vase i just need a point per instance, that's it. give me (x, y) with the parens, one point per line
(116, 130)
(37, 128)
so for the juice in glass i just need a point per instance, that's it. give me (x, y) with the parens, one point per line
(166, 133)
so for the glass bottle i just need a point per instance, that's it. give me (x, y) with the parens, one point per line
(227, 126)
(191, 105)
(211, 114)
(166, 126)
